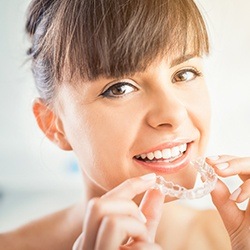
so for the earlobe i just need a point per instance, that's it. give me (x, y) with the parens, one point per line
(50, 124)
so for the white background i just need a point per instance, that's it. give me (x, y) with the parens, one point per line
(36, 177)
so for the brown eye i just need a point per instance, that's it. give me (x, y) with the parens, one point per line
(185, 75)
(119, 90)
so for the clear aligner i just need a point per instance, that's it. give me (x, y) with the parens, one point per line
(207, 174)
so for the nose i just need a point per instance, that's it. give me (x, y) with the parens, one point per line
(167, 109)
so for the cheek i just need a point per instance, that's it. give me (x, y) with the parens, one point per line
(201, 113)
(102, 141)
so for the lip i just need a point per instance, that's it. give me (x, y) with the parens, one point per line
(166, 166)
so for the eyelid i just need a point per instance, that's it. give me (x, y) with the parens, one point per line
(110, 84)
(124, 82)
(187, 68)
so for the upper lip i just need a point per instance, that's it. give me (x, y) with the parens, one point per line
(164, 145)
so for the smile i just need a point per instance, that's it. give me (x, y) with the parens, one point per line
(166, 159)
(165, 154)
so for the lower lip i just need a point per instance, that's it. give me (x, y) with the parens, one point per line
(166, 167)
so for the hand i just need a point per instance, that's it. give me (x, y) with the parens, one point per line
(115, 222)
(237, 222)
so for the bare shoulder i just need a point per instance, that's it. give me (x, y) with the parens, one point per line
(55, 231)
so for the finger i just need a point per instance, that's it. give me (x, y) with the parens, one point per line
(248, 211)
(132, 187)
(231, 215)
(98, 208)
(141, 246)
(151, 206)
(229, 165)
(219, 158)
(78, 245)
(242, 193)
(114, 229)
(126, 190)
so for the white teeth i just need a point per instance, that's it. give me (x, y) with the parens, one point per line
(158, 154)
(175, 151)
(166, 153)
(183, 147)
(150, 156)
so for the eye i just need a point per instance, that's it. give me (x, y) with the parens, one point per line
(186, 75)
(119, 89)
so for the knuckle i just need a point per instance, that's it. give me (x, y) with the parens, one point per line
(146, 246)
(111, 222)
(132, 184)
(95, 205)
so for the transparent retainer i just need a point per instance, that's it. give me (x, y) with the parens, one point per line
(208, 177)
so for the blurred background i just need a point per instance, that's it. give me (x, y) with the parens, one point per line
(37, 178)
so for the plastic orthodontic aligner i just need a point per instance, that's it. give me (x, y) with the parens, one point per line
(207, 174)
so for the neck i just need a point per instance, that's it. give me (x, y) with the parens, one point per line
(91, 188)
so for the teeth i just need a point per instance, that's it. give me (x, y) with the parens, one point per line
(183, 147)
(158, 154)
(150, 156)
(166, 153)
(175, 151)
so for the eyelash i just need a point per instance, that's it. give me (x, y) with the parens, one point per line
(196, 73)
(108, 92)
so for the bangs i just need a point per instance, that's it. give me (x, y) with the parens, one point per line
(114, 38)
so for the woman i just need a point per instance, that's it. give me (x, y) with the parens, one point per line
(121, 84)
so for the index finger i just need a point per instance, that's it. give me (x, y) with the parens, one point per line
(226, 165)
(151, 206)
(132, 187)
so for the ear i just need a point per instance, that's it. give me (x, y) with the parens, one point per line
(50, 124)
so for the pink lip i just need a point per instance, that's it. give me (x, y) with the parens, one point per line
(166, 167)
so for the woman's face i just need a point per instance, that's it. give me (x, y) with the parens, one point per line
(152, 121)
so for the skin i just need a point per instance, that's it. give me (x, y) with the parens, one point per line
(155, 110)
(119, 209)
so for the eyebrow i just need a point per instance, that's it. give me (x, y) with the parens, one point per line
(181, 59)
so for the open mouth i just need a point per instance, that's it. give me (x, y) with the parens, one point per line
(166, 160)
(164, 155)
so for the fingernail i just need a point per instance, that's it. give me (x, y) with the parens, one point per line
(222, 166)
(148, 177)
(234, 196)
(213, 157)
(142, 217)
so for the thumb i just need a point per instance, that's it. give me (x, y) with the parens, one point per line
(151, 206)
(231, 215)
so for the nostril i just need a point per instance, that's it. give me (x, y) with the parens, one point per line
(165, 125)
(166, 121)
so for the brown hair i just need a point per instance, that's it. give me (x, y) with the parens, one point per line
(112, 38)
